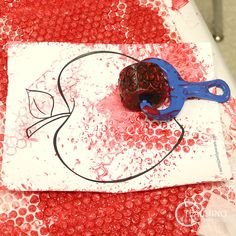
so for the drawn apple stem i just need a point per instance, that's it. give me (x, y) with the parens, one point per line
(40, 124)
(41, 106)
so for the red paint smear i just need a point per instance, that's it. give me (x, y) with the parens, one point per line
(135, 128)
(178, 4)
(112, 105)
(230, 132)
(151, 212)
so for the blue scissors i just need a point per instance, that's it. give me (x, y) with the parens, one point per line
(181, 90)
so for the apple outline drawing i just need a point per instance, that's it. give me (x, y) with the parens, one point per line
(47, 118)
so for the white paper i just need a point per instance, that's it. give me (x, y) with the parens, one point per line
(96, 140)
(220, 218)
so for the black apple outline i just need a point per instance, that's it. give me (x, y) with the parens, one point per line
(51, 118)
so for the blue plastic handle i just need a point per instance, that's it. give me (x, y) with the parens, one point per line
(180, 90)
(201, 90)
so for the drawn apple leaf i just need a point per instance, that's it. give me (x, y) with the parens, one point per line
(41, 104)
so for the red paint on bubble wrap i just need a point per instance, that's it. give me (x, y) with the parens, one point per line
(178, 4)
(65, 213)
